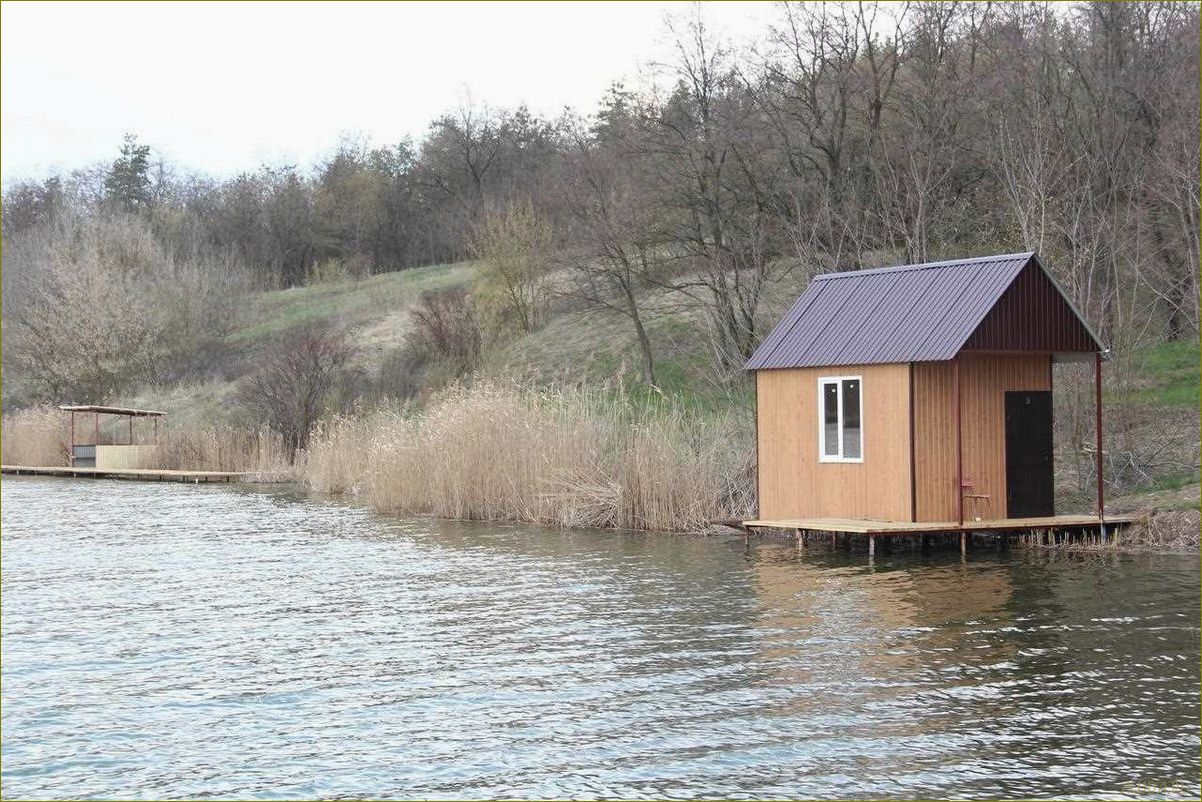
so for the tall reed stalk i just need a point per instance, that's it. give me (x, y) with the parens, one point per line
(223, 448)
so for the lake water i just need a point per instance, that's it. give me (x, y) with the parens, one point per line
(185, 641)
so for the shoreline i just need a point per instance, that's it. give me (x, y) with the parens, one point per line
(1085, 544)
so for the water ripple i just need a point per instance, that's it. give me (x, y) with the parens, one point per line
(182, 641)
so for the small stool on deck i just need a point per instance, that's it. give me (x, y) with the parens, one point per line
(975, 500)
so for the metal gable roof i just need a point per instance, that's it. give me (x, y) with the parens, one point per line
(912, 313)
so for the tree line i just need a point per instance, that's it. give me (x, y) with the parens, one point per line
(849, 135)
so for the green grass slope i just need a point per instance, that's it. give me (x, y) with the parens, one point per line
(598, 347)
(1164, 374)
(375, 310)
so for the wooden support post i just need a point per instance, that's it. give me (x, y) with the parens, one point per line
(871, 545)
(1097, 383)
(801, 540)
(71, 456)
(131, 430)
(963, 543)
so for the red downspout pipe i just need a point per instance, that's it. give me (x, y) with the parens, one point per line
(913, 475)
(755, 376)
(959, 445)
(1097, 383)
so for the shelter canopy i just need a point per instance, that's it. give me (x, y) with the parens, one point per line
(127, 411)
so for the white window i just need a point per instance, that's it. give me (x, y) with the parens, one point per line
(840, 410)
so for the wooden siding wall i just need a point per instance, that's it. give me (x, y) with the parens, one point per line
(984, 381)
(934, 442)
(794, 484)
(126, 456)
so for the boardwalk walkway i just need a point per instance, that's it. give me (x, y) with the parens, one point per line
(137, 474)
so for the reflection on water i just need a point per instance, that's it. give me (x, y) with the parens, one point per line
(167, 641)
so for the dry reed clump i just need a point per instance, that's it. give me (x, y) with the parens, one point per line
(1174, 531)
(338, 455)
(573, 458)
(36, 436)
(223, 449)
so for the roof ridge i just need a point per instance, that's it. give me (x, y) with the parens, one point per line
(1001, 257)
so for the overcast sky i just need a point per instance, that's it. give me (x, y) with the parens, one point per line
(223, 87)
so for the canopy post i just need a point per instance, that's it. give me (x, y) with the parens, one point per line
(1097, 383)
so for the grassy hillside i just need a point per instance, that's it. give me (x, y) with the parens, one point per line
(375, 310)
(595, 347)
(1165, 374)
(592, 347)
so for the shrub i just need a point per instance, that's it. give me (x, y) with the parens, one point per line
(403, 373)
(513, 288)
(445, 326)
(95, 307)
(355, 267)
(297, 382)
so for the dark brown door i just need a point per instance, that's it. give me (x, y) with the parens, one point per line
(1030, 490)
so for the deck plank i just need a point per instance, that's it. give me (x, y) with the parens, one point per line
(870, 527)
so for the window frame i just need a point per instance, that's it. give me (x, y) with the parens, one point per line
(823, 381)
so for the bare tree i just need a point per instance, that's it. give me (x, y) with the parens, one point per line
(857, 134)
(619, 234)
(93, 307)
(702, 147)
(515, 250)
(445, 326)
(294, 384)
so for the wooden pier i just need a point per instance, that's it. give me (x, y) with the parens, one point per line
(873, 529)
(868, 527)
(133, 474)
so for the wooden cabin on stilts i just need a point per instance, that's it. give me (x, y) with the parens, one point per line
(917, 400)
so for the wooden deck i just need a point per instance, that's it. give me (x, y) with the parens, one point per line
(136, 474)
(865, 527)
